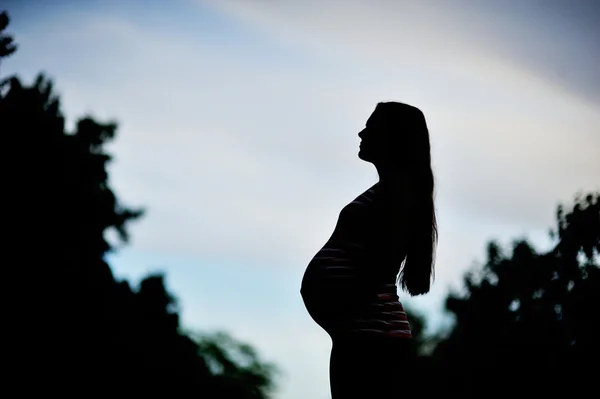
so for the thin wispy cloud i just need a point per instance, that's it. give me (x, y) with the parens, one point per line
(555, 40)
(235, 156)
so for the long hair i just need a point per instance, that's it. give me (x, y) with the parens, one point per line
(412, 157)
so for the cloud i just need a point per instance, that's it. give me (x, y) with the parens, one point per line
(241, 158)
(481, 74)
(555, 40)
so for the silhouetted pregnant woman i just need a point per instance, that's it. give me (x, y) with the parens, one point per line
(386, 235)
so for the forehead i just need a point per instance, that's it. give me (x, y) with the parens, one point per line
(376, 118)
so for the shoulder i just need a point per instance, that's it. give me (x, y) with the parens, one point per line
(367, 198)
(364, 201)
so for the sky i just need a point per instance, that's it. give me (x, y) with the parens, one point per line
(238, 125)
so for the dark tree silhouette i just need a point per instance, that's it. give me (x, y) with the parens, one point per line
(420, 342)
(529, 319)
(7, 47)
(81, 331)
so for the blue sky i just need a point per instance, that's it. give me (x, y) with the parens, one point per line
(238, 122)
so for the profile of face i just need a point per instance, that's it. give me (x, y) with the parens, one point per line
(394, 137)
(375, 139)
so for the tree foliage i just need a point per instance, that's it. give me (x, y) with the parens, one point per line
(7, 45)
(528, 316)
(88, 333)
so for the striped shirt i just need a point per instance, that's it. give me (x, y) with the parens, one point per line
(349, 286)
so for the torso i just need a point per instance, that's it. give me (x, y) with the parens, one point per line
(358, 267)
(360, 253)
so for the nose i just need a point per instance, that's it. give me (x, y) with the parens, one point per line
(361, 134)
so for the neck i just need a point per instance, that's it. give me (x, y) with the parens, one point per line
(391, 180)
(384, 176)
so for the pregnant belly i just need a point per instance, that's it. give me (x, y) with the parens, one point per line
(326, 278)
(330, 291)
(340, 307)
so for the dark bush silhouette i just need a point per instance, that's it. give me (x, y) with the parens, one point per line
(7, 46)
(530, 319)
(84, 331)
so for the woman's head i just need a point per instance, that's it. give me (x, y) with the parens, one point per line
(396, 141)
(395, 138)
